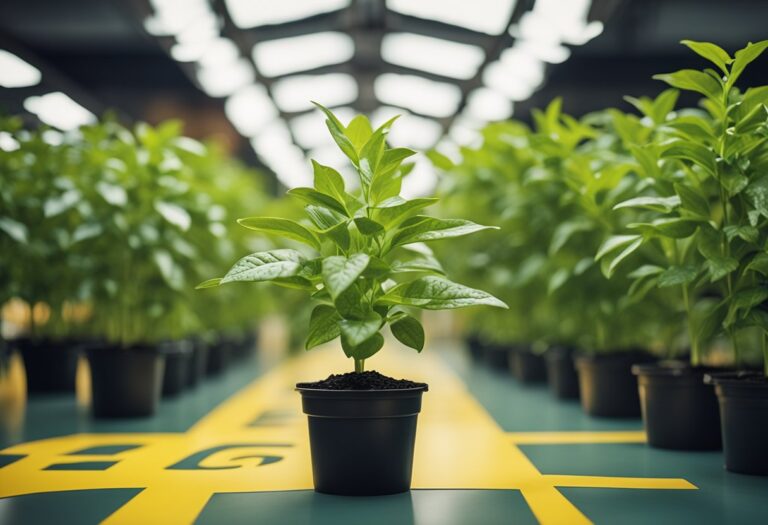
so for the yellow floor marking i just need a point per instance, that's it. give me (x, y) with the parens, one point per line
(572, 438)
(257, 441)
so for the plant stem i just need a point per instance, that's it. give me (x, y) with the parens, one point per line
(695, 350)
(359, 365)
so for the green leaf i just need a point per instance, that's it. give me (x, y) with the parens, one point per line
(693, 152)
(330, 224)
(661, 204)
(323, 326)
(439, 160)
(425, 263)
(757, 193)
(678, 275)
(393, 210)
(746, 233)
(339, 272)
(329, 181)
(367, 226)
(692, 80)
(423, 229)
(626, 252)
(359, 131)
(743, 58)
(759, 264)
(365, 349)
(711, 52)
(614, 242)
(312, 196)
(645, 270)
(744, 300)
(565, 231)
(355, 331)
(210, 283)
(282, 227)
(338, 133)
(720, 266)
(265, 266)
(350, 304)
(437, 293)
(692, 201)
(408, 330)
(14, 229)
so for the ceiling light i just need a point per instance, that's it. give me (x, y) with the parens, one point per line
(486, 16)
(551, 52)
(248, 13)
(421, 181)
(188, 52)
(295, 94)
(434, 55)
(310, 130)
(224, 79)
(410, 131)
(250, 109)
(523, 65)
(301, 53)
(503, 80)
(561, 21)
(274, 147)
(58, 110)
(488, 105)
(16, 73)
(465, 132)
(435, 99)
(219, 51)
(173, 17)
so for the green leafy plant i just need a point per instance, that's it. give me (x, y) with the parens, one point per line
(705, 202)
(373, 266)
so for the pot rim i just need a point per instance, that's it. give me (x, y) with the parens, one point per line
(740, 378)
(363, 393)
(674, 368)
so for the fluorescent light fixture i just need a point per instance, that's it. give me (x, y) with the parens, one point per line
(434, 99)
(188, 52)
(301, 53)
(274, 147)
(7, 142)
(172, 17)
(465, 132)
(224, 79)
(434, 55)
(485, 104)
(16, 73)
(249, 13)
(420, 182)
(250, 109)
(559, 21)
(58, 110)
(294, 94)
(409, 131)
(486, 16)
(219, 51)
(503, 80)
(551, 52)
(310, 130)
(523, 65)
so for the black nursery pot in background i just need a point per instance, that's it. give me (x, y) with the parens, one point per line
(50, 366)
(561, 372)
(743, 400)
(526, 365)
(198, 361)
(362, 441)
(608, 388)
(497, 356)
(680, 412)
(219, 356)
(125, 382)
(178, 366)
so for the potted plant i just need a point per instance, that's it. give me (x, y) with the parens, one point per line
(697, 232)
(373, 268)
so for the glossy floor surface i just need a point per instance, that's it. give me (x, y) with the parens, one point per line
(235, 450)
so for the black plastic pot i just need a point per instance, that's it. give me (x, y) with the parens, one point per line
(679, 411)
(607, 386)
(219, 357)
(743, 400)
(198, 362)
(497, 356)
(527, 366)
(476, 347)
(362, 441)
(125, 382)
(178, 366)
(50, 366)
(561, 372)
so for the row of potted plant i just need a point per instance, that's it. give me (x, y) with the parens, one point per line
(630, 238)
(104, 232)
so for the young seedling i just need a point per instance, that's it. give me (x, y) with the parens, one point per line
(369, 265)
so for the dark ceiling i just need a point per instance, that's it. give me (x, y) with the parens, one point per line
(98, 52)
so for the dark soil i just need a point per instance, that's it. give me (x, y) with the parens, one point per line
(370, 380)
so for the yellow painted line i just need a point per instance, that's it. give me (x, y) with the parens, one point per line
(459, 446)
(571, 438)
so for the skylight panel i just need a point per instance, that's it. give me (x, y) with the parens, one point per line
(295, 94)
(59, 110)
(301, 53)
(418, 94)
(485, 16)
(250, 109)
(434, 55)
(16, 73)
(253, 13)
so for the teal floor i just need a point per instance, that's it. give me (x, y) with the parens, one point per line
(722, 497)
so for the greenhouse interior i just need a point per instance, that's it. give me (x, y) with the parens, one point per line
(431, 262)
